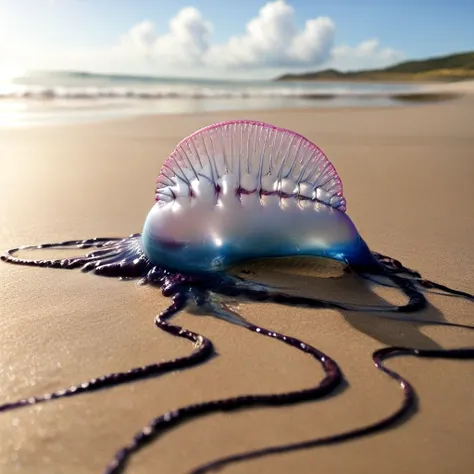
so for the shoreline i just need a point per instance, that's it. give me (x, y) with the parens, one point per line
(73, 115)
(76, 109)
(405, 101)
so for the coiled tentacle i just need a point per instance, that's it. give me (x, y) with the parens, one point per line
(394, 266)
(203, 350)
(114, 256)
(332, 378)
(407, 405)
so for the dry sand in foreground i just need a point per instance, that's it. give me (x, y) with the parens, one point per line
(408, 175)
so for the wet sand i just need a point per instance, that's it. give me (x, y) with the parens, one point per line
(408, 177)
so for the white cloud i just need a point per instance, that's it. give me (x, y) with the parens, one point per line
(140, 37)
(186, 42)
(313, 44)
(273, 40)
(366, 55)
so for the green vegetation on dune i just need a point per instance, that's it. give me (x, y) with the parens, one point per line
(454, 67)
(463, 61)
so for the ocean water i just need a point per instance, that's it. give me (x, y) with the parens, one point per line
(57, 97)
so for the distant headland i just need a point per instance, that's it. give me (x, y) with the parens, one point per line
(454, 67)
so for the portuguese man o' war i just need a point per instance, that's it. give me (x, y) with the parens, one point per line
(231, 193)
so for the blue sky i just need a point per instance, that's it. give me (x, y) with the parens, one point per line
(134, 35)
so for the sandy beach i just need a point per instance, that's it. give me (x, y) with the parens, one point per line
(408, 176)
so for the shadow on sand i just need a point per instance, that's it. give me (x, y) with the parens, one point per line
(329, 281)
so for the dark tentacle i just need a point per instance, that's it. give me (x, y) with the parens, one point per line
(425, 290)
(203, 350)
(113, 256)
(431, 284)
(407, 406)
(333, 377)
(396, 267)
(229, 287)
(416, 301)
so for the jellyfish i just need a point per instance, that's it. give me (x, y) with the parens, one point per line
(230, 193)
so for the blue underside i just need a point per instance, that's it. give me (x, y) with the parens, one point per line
(197, 259)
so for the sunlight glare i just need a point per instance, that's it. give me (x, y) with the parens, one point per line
(9, 71)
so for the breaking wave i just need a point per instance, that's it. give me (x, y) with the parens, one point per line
(87, 86)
